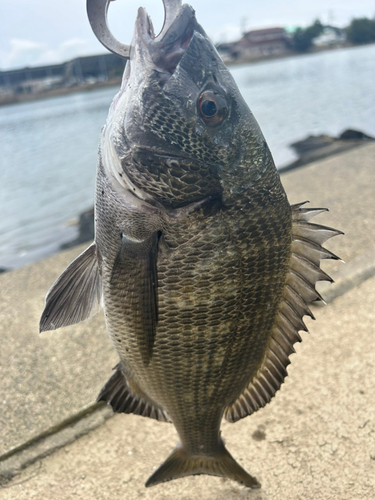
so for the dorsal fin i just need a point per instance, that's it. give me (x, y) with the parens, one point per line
(299, 291)
(118, 394)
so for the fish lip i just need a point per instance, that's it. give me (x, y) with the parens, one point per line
(166, 50)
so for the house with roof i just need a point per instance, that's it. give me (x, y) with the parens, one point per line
(330, 37)
(257, 44)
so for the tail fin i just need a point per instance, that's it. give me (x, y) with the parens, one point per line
(180, 464)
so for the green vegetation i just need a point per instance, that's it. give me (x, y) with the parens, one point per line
(361, 31)
(303, 37)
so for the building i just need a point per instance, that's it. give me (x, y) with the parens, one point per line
(330, 37)
(29, 80)
(264, 43)
(79, 71)
(257, 44)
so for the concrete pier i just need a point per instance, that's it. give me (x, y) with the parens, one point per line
(315, 440)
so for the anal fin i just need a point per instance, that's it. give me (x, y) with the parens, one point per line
(118, 394)
(75, 295)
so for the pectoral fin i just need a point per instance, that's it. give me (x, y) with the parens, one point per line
(134, 281)
(75, 295)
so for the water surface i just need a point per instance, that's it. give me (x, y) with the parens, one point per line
(49, 148)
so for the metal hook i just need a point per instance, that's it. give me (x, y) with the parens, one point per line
(97, 13)
(171, 9)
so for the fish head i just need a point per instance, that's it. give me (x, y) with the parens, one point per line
(179, 126)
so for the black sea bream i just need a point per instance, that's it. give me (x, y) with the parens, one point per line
(203, 268)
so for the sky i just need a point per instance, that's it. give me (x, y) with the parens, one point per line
(38, 32)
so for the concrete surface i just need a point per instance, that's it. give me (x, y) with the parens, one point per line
(49, 382)
(348, 276)
(345, 184)
(314, 441)
(45, 379)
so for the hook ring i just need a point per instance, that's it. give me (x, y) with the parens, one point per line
(97, 11)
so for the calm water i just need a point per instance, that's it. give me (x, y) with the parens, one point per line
(48, 148)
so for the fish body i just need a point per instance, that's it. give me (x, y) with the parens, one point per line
(203, 268)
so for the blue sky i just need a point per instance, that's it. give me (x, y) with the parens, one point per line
(36, 32)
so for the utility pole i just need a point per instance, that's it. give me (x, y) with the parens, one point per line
(244, 20)
(78, 70)
(103, 67)
(331, 17)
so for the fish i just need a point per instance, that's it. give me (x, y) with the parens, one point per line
(203, 268)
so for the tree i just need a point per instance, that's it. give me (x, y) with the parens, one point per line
(361, 31)
(303, 38)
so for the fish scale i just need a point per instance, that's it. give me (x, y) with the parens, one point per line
(204, 269)
(209, 342)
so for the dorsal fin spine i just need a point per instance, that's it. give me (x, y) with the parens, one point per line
(284, 342)
(288, 311)
(278, 375)
(267, 382)
(276, 383)
(299, 290)
(298, 302)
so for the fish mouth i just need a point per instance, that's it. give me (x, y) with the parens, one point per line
(165, 50)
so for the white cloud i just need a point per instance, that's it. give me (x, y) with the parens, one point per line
(25, 51)
(29, 53)
(228, 33)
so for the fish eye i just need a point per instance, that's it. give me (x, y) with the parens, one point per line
(212, 107)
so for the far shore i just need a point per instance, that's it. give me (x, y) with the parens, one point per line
(115, 82)
(61, 91)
